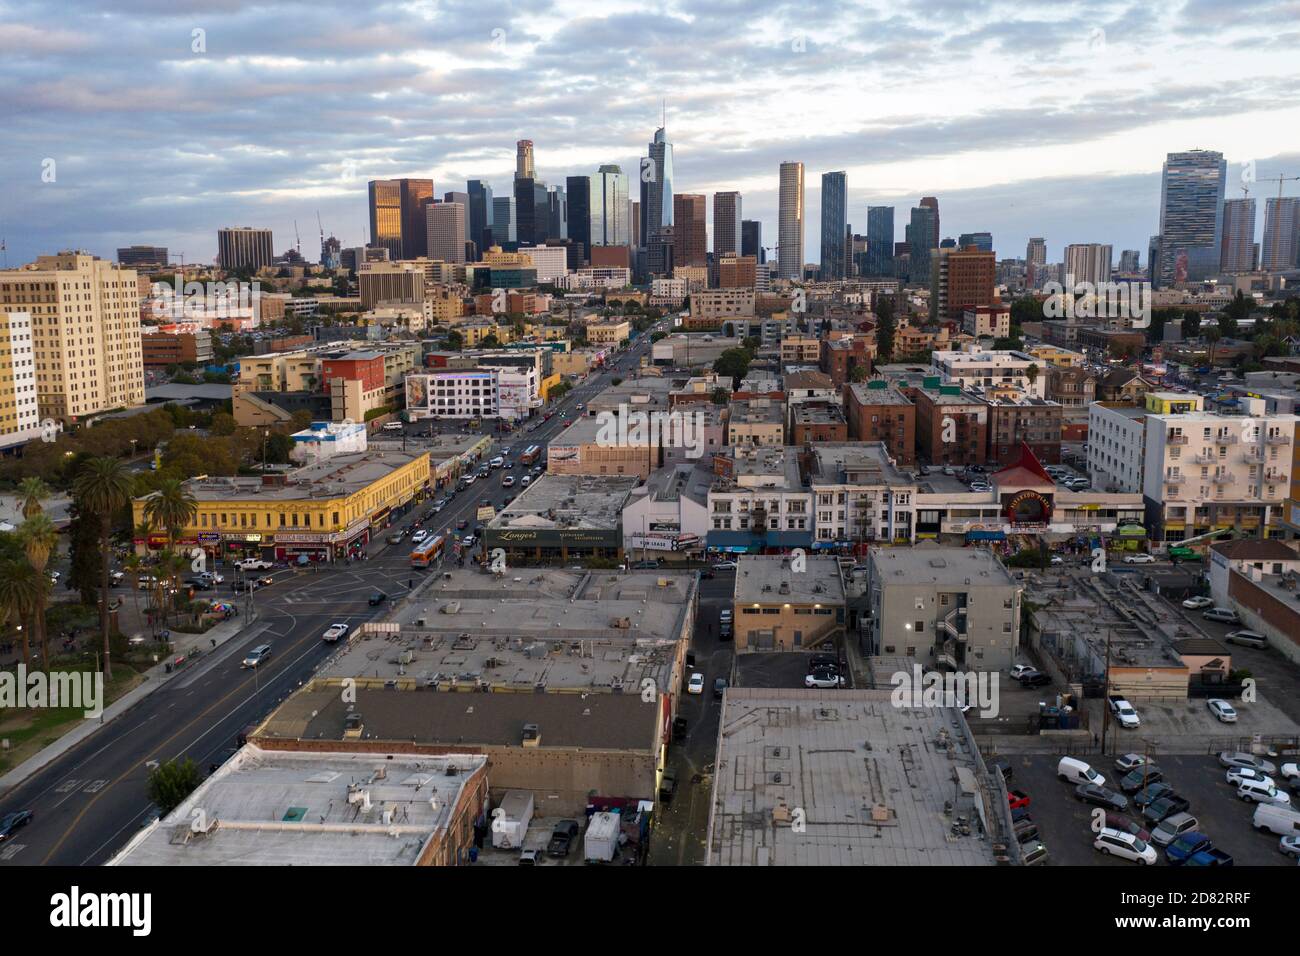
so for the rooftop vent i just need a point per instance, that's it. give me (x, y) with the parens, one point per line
(532, 735)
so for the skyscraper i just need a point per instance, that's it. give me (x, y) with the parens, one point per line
(727, 228)
(880, 241)
(526, 225)
(1191, 216)
(445, 224)
(789, 231)
(463, 199)
(579, 190)
(1237, 252)
(1281, 234)
(480, 213)
(963, 279)
(922, 235)
(751, 240)
(983, 241)
(657, 187)
(524, 160)
(690, 230)
(1130, 261)
(1035, 259)
(609, 207)
(397, 220)
(557, 219)
(504, 224)
(835, 220)
(1087, 262)
(243, 247)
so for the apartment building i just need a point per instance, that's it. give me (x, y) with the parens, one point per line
(976, 369)
(1116, 450)
(85, 327)
(608, 331)
(878, 412)
(860, 496)
(1054, 355)
(174, 348)
(1071, 386)
(948, 608)
(1016, 419)
(952, 426)
(737, 272)
(394, 282)
(19, 409)
(777, 607)
(991, 321)
(709, 307)
(465, 393)
(759, 501)
(844, 355)
(817, 421)
(759, 421)
(799, 349)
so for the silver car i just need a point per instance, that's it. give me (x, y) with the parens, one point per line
(1237, 758)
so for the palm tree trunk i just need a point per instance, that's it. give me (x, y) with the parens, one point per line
(27, 646)
(41, 636)
(105, 529)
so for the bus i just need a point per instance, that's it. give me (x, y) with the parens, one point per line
(427, 551)
(530, 455)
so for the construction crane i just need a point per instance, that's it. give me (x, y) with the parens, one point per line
(297, 239)
(1280, 180)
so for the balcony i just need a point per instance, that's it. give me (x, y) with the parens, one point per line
(1226, 438)
(1204, 458)
(1224, 478)
(1276, 477)
(1276, 439)
(1253, 456)
(1176, 440)
(1175, 479)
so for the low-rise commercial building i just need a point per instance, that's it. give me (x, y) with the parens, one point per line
(785, 603)
(562, 519)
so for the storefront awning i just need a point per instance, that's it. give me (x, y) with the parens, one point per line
(1131, 531)
(986, 536)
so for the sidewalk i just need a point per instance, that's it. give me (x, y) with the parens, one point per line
(154, 678)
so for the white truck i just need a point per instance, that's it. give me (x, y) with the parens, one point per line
(254, 564)
(510, 820)
(1124, 712)
(601, 840)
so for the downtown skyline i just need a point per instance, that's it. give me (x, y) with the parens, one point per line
(298, 119)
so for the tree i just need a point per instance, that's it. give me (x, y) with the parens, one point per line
(171, 782)
(455, 341)
(1191, 324)
(733, 362)
(1031, 373)
(721, 396)
(1212, 336)
(85, 548)
(1026, 309)
(616, 381)
(859, 373)
(31, 492)
(20, 593)
(103, 488)
(40, 538)
(885, 328)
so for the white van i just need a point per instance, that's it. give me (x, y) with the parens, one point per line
(1126, 846)
(392, 426)
(1076, 771)
(1274, 818)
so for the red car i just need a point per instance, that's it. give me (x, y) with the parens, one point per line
(1017, 799)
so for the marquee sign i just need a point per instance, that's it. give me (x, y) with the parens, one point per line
(1029, 508)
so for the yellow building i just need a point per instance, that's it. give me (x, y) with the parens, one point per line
(1054, 355)
(279, 372)
(322, 510)
(608, 331)
(549, 382)
(474, 332)
(19, 415)
(85, 330)
(1173, 403)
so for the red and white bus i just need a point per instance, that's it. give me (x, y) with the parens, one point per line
(530, 455)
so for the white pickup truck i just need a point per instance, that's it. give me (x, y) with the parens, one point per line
(254, 564)
(1124, 712)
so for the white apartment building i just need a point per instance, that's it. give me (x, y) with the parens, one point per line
(860, 496)
(19, 413)
(453, 393)
(1204, 471)
(763, 503)
(602, 277)
(551, 262)
(1116, 447)
(517, 391)
(973, 368)
(668, 292)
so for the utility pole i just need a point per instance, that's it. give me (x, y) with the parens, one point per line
(1105, 704)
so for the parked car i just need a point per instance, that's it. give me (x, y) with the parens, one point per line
(257, 656)
(1150, 794)
(1291, 772)
(1211, 856)
(1124, 713)
(1236, 758)
(1186, 846)
(1239, 775)
(667, 786)
(1073, 770)
(1018, 670)
(1166, 806)
(1196, 603)
(1290, 846)
(562, 837)
(696, 684)
(1131, 762)
(680, 726)
(1101, 797)
(1223, 710)
(1172, 827)
(1035, 679)
(1001, 765)
(824, 679)
(1140, 777)
(1221, 614)
(377, 598)
(1117, 821)
(1124, 845)
(1017, 799)
(1139, 558)
(1263, 791)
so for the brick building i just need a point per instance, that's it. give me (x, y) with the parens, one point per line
(878, 412)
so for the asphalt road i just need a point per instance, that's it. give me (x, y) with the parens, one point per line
(90, 801)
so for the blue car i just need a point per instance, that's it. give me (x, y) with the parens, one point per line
(1187, 846)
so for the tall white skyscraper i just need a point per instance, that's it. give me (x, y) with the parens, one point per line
(1237, 253)
(1087, 262)
(446, 231)
(789, 233)
(609, 207)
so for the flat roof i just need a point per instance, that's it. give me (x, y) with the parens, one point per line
(337, 476)
(857, 463)
(889, 395)
(554, 502)
(287, 808)
(757, 411)
(770, 579)
(928, 564)
(870, 780)
(818, 413)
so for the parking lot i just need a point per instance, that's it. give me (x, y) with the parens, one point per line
(1064, 822)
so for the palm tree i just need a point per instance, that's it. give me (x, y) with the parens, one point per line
(103, 488)
(31, 492)
(171, 508)
(21, 591)
(134, 568)
(39, 538)
(1212, 336)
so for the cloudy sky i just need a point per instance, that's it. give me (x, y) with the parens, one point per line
(160, 120)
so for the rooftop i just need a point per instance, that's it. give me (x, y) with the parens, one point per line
(946, 567)
(757, 411)
(338, 476)
(870, 780)
(817, 413)
(768, 579)
(569, 502)
(865, 463)
(865, 394)
(294, 809)
(1255, 550)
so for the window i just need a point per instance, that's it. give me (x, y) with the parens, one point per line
(920, 627)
